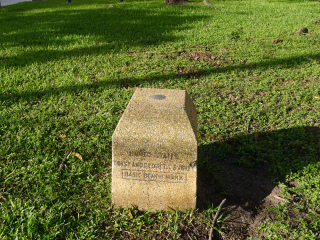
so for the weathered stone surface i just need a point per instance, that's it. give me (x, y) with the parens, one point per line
(154, 151)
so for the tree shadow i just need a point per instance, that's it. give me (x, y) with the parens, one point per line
(289, 62)
(70, 32)
(294, 1)
(236, 165)
(246, 170)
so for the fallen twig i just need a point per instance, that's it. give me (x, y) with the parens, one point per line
(248, 126)
(207, 3)
(215, 218)
(313, 212)
(195, 229)
(189, 236)
(280, 198)
(62, 164)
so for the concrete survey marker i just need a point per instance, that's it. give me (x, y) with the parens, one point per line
(154, 151)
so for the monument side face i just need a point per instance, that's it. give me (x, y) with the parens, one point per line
(154, 151)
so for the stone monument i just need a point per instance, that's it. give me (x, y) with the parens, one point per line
(154, 151)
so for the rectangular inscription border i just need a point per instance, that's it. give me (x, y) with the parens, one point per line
(169, 177)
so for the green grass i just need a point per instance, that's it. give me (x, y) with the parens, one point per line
(64, 82)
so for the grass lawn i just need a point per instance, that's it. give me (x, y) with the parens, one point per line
(68, 71)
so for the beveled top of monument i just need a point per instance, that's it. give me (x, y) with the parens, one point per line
(159, 111)
(159, 98)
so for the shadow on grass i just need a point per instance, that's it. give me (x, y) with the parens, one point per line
(294, 1)
(289, 62)
(81, 30)
(245, 169)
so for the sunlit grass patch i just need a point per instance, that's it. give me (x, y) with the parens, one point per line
(68, 71)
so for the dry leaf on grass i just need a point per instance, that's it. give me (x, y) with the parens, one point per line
(130, 214)
(77, 155)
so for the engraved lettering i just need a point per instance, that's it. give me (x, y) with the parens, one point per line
(158, 166)
(142, 175)
(144, 153)
(183, 168)
(140, 152)
(122, 164)
(131, 174)
(192, 164)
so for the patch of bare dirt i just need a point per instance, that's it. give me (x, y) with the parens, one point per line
(201, 57)
(317, 21)
(198, 55)
(277, 40)
(249, 191)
